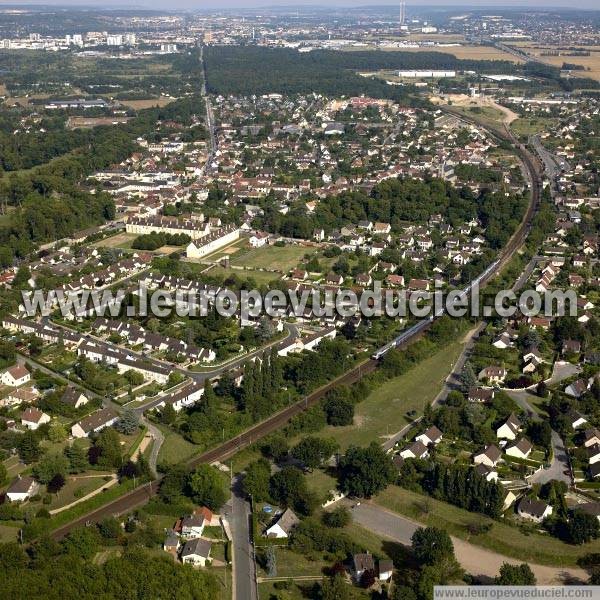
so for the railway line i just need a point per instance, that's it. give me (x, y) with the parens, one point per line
(143, 494)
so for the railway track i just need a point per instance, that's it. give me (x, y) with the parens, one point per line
(143, 494)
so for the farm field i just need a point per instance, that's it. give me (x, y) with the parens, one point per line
(590, 63)
(466, 52)
(121, 240)
(148, 103)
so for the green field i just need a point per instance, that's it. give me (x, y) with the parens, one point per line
(502, 538)
(385, 410)
(526, 126)
(175, 449)
(280, 258)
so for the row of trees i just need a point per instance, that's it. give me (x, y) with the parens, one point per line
(154, 240)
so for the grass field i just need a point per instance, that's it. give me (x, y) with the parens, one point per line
(281, 258)
(531, 125)
(502, 538)
(383, 413)
(175, 449)
(121, 240)
(141, 104)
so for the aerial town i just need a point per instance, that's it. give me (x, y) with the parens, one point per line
(191, 403)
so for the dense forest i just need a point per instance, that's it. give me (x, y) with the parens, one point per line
(250, 70)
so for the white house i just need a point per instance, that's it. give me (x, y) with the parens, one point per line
(432, 436)
(416, 450)
(15, 376)
(95, 422)
(74, 397)
(196, 552)
(520, 449)
(192, 526)
(534, 510)
(22, 488)
(32, 418)
(490, 456)
(509, 429)
(283, 526)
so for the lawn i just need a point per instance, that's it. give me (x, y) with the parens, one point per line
(258, 276)
(175, 449)
(502, 538)
(292, 564)
(121, 240)
(280, 258)
(384, 412)
(321, 482)
(75, 489)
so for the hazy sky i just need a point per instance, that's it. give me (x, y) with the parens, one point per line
(171, 4)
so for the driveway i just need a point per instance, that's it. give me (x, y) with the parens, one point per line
(563, 370)
(474, 559)
(558, 468)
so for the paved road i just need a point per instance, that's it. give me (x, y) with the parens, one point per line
(475, 560)
(244, 587)
(559, 468)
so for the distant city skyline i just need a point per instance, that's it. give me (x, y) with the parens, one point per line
(215, 4)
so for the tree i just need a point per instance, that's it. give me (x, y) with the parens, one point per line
(109, 528)
(50, 466)
(82, 541)
(276, 447)
(56, 484)
(77, 457)
(206, 486)
(271, 562)
(313, 451)
(335, 588)
(338, 517)
(583, 527)
(339, 411)
(29, 447)
(128, 423)
(402, 592)
(256, 480)
(109, 448)
(168, 414)
(515, 575)
(430, 545)
(57, 432)
(173, 485)
(3, 474)
(365, 472)
(288, 488)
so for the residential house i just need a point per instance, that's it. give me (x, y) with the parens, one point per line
(490, 456)
(489, 473)
(493, 374)
(283, 526)
(416, 450)
(577, 388)
(481, 395)
(520, 449)
(361, 563)
(22, 488)
(509, 429)
(15, 376)
(95, 422)
(534, 510)
(192, 526)
(591, 437)
(432, 436)
(74, 397)
(593, 453)
(196, 552)
(32, 418)
(576, 419)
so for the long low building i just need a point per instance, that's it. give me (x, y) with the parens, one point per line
(213, 241)
(195, 228)
(94, 423)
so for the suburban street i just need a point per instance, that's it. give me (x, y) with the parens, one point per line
(244, 575)
(481, 563)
